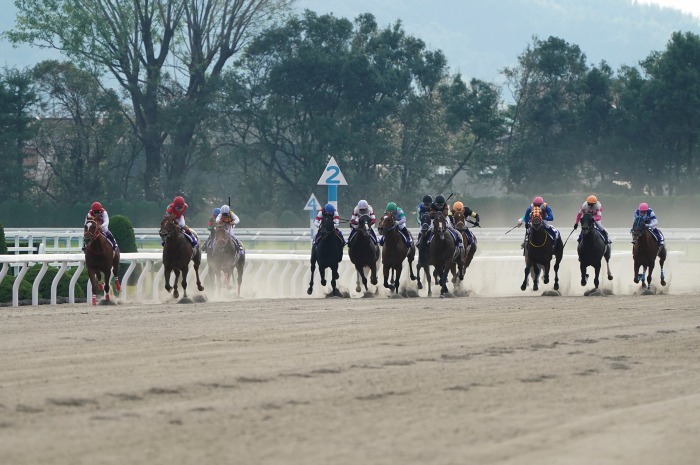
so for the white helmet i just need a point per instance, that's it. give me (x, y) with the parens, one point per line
(362, 205)
(225, 210)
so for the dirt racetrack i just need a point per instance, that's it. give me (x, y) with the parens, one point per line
(507, 380)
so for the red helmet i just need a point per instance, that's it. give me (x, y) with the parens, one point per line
(179, 201)
(537, 201)
(96, 207)
(643, 207)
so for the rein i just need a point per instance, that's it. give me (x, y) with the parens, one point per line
(544, 241)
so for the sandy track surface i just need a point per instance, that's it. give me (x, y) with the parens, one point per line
(555, 380)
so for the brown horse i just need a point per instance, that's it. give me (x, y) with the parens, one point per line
(225, 256)
(177, 253)
(469, 241)
(394, 251)
(443, 251)
(539, 250)
(100, 260)
(644, 252)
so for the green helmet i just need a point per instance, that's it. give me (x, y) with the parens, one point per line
(391, 207)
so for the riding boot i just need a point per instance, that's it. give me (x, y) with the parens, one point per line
(191, 236)
(352, 235)
(407, 237)
(111, 239)
(607, 238)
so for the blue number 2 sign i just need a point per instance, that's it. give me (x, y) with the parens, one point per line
(332, 176)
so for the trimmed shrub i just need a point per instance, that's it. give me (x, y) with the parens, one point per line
(25, 289)
(267, 220)
(3, 244)
(63, 285)
(126, 239)
(290, 219)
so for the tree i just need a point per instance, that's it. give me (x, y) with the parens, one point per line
(134, 41)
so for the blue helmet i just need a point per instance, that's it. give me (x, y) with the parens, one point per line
(329, 208)
(216, 211)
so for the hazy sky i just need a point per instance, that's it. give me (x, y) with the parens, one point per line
(686, 6)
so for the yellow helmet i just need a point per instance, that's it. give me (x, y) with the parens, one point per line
(458, 207)
(592, 199)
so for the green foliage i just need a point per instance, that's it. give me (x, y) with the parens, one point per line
(290, 219)
(63, 284)
(25, 289)
(123, 232)
(267, 220)
(3, 244)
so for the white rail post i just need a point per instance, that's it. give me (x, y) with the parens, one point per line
(37, 282)
(74, 280)
(18, 281)
(56, 279)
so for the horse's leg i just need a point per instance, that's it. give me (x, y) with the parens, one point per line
(607, 262)
(398, 277)
(115, 272)
(428, 280)
(662, 259)
(523, 286)
(335, 276)
(596, 281)
(545, 276)
(239, 273)
(637, 274)
(197, 260)
(93, 283)
(357, 278)
(107, 279)
(322, 272)
(443, 280)
(313, 270)
(387, 271)
(651, 269)
(176, 294)
(373, 273)
(184, 280)
(536, 278)
(584, 276)
(167, 278)
(557, 261)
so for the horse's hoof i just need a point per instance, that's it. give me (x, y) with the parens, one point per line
(309, 291)
(610, 278)
(523, 287)
(117, 285)
(556, 286)
(420, 285)
(200, 287)
(323, 282)
(663, 282)
(583, 282)
(358, 289)
(176, 294)
(546, 280)
(535, 287)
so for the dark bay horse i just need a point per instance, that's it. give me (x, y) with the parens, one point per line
(100, 260)
(591, 250)
(644, 252)
(423, 262)
(224, 257)
(328, 253)
(443, 250)
(394, 251)
(364, 253)
(539, 250)
(469, 241)
(177, 253)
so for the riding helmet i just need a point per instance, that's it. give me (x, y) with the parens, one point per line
(179, 201)
(391, 207)
(225, 209)
(329, 208)
(362, 205)
(458, 206)
(428, 199)
(643, 207)
(538, 201)
(96, 207)
(216, 211)
(440, 199)
(592, 199)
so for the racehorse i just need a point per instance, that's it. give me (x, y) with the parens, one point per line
(100, 260)
(592, 249)
(177, 253)
(469, 241)
(394, 251)
(225, 256)
(328, 253)
(443, 250)
(644, 252)
(539, 250)
(364, 253)
(423, 262)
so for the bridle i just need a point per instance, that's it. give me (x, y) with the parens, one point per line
(91, 232)
(536, 223)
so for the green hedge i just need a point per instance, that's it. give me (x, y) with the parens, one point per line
(25, 289)
(3, 244)
(63, 285)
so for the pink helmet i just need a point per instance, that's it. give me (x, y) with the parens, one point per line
(643, 207)
(537, 201)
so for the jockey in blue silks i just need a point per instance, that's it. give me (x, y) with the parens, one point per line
(547, 216)
(647, 214)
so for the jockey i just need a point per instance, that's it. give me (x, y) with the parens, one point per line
(99, 215)
(229, 219)
(362, 208)
(647, 214)
(210, 227)
(469, 215)
(400, 219)
(547, 216)
(595, 208)
(176, 210)
(423, 207)
(440, 205)
(328, 210)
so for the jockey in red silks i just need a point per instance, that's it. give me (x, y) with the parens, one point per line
(593, 206)
(176, 211)
(99, 215)
(361, 209)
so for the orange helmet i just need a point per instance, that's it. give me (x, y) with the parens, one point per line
(96, 207)
(179, 201)
(592, 199)
(458, 207)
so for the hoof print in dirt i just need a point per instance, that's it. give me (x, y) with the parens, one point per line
(185, 300)
(200, 299)
(106, 302)
(551, 293)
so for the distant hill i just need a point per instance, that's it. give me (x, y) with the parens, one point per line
(480, 37)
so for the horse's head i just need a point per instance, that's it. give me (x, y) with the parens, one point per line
(536, 221)
(587, 223)
(221, 233)
(364, 223)
(639, 227)
(459, 219)
(424, 223)
(439, 224)
(90, 232)
(168, 227)
(327, 225)
(386, 223)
